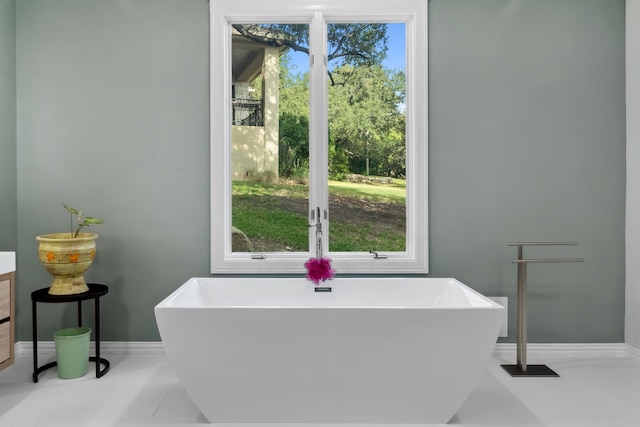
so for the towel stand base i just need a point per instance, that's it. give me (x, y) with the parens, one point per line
(532, 371)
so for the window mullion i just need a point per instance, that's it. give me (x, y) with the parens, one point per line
(318, 129)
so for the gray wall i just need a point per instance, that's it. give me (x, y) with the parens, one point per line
(8, 186)
(632, 244)
(526, 143)
(113, 119)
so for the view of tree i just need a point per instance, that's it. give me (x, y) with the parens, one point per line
(354, 44)
(366, 101)
(294, 123)
(366, 120)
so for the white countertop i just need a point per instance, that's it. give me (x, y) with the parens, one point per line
(7, 262)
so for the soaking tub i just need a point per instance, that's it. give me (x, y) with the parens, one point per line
(370, 350)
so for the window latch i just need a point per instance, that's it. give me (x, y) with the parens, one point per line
(376, 255)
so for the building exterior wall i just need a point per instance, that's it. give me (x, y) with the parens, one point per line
(255, 148)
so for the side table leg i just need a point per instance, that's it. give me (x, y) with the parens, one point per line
(37, 370)
(97, 322)
(79, 314)
(97, 358)
(34, 324)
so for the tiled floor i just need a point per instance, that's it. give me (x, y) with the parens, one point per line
(143, 390)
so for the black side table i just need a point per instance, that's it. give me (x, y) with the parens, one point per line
(95, 291)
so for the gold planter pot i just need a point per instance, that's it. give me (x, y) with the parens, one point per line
(67, 258)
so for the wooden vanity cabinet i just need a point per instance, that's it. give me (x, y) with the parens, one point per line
(7, 319)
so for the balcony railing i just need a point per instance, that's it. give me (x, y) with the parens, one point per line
(247, 112)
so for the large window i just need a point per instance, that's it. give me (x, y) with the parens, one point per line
(319, 122)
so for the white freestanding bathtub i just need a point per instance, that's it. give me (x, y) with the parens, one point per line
(373, 350)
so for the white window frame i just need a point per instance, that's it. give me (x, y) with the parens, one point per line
(316, 13)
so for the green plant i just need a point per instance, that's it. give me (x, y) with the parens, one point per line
(81, 222)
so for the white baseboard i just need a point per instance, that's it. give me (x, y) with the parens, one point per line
(611, 350)
(614, 350)
(106, 347)
(634, 351)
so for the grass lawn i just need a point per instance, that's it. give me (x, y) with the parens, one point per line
(363, 216)
(388, 193)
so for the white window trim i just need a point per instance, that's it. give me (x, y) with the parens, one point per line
(414, 13)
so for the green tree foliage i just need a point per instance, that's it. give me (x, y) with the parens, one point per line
(354, 44)
(366, 122)
(366, 101)
(294, 122)
(294, 144)
(366, 119)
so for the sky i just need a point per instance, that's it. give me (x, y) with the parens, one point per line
(396, 57)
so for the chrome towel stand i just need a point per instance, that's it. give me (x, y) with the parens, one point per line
(521, 369)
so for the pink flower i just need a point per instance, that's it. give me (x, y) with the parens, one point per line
(319, 269)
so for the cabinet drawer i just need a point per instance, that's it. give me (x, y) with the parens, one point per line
(5, 341)
(5, 299)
